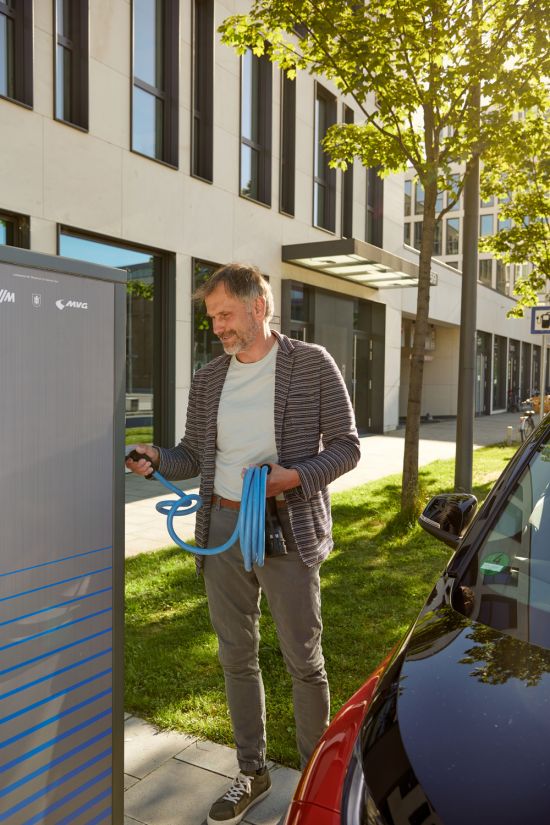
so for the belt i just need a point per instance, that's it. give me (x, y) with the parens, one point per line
(229, 504)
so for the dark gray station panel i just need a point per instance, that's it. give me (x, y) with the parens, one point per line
(61, 540)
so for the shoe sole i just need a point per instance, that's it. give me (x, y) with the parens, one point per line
(237, 819)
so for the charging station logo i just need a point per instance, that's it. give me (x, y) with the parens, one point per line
(62, 304)
(7, 297)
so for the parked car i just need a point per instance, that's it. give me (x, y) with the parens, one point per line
(454, 727)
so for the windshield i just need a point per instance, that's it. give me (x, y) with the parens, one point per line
(507, 584)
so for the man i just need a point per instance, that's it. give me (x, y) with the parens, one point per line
(268, 400)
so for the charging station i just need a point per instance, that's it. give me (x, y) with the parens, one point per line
(62, 387)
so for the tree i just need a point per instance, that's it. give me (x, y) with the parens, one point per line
(517, 172)
(412, 67)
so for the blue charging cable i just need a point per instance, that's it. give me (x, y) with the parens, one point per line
(250, 527)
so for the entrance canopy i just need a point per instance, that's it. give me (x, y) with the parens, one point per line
(355, 261)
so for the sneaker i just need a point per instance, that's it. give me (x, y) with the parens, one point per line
(246, 790)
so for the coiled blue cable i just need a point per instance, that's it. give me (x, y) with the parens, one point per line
(250, 527)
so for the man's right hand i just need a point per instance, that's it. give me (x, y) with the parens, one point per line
(148, 464)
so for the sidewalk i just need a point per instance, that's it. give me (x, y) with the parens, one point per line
(172, 778)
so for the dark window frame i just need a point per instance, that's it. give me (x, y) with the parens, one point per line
(287, 176)
(78, 47)
(202, 91)
(348, 116)
(169, 95)
(328, 181)
(18, 229)
(164, 353)
(22, 67)
(374, 208)
(265, 128)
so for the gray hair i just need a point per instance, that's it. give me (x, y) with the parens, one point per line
(243, 281)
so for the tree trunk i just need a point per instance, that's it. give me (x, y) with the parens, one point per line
(409, 492)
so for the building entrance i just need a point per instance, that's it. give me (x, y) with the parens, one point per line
(353, 331)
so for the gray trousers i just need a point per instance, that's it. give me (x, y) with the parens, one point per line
(292, 591)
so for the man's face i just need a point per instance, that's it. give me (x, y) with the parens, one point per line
(236, 323)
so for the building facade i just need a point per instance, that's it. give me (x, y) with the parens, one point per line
(131, 137)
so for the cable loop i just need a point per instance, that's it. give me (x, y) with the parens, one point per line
(250, 527)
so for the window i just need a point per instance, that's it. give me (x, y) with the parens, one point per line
(16, 34)
(14, 230)
(417, 234)
(453, 231)
(150, 329)
(499, 372)
(408, 197)
(485, 225)
(256, 117)
(202, 144)
(418, 199)
(502, 279)
(486, 271)
(297, 302)
(455, 180)
(506, 581)
(347, 188)
(324, 178)
(438, 239)
(407, 234)
(375, 207)
(155, 86)
(206, 345)
(71, 62)
(288, 144)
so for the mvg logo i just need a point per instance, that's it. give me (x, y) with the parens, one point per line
(62, 304)
(7, 297)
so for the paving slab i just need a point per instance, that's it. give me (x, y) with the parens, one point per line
(271, 811)
(177, 793)
(217, 758)
(146, 748)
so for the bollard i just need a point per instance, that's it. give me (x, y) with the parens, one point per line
(509, 431)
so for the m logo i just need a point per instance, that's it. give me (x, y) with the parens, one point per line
(62, 304)
(7, 297)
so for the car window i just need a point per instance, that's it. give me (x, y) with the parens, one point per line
(507, 584)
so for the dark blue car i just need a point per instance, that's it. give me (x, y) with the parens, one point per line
(454, 728)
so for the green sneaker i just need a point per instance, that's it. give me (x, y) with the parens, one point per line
(245, 791)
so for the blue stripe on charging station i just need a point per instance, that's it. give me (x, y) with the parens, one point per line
(68, 820)
(56, 784)
(45, 745)
(31, 750)
(55, 561)
(59, 627)
(39, 818)
(56, 650)
(101, 817)
(52, 719)
(55, 673)
(53, 696)
(56, 606)
(55, 584)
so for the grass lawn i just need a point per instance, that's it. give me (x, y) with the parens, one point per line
(139, 435)
(374, 584)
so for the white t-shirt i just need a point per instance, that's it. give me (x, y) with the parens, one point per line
(246, 427)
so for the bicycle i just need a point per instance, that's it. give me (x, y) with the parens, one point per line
(526, 424)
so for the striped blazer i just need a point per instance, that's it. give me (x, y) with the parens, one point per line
(315, 434)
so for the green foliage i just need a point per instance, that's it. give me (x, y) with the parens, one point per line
(140, 289)
(517, 171)
(373, 586)
(417, 62)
